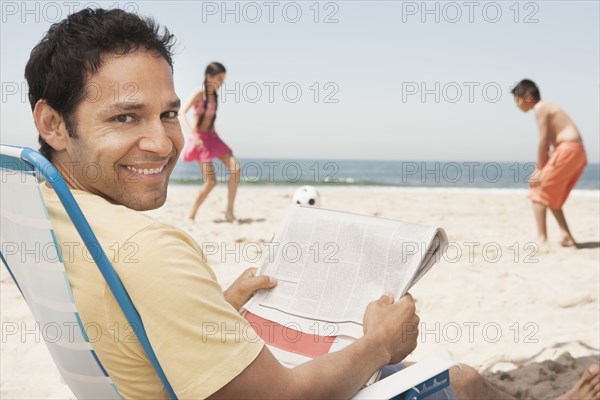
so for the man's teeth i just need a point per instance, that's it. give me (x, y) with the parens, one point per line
(145, 171)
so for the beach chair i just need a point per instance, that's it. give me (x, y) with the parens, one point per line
(32, 257)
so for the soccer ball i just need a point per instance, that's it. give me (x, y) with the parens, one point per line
(307, 196)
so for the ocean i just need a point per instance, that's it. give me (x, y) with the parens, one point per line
(459, 174)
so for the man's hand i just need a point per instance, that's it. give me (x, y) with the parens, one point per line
(244, 287)
(394, 325)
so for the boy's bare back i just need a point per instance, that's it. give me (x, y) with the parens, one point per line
(555, 124)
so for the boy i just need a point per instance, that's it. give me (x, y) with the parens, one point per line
(557, 173)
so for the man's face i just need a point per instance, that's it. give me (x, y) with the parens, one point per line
(129, 137)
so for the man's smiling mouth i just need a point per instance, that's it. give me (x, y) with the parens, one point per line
(146, 171)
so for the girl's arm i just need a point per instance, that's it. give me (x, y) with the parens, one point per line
(197, 95)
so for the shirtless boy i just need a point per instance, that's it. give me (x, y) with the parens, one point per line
(557, 173)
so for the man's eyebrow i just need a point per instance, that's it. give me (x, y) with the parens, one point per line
(174, 103)
(125, 106)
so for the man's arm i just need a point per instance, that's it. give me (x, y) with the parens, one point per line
(390, 335)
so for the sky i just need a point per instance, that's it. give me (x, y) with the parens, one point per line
(376, 80)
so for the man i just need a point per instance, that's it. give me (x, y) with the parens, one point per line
(103, 99)
(556, 174)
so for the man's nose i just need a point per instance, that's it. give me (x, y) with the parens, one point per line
(156, 139)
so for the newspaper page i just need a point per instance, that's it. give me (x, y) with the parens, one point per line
(330, 264)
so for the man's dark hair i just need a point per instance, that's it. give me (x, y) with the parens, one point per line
(73, 49)
(526, 86)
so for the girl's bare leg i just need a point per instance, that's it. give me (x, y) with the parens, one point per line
(210, 181)
(233, 168)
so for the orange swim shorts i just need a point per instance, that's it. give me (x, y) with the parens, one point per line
(559, 176)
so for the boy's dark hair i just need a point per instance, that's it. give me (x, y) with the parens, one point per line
(526, 86)
(74, 48)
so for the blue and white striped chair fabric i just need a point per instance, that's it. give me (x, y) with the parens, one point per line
(30, 253)
(33, 259)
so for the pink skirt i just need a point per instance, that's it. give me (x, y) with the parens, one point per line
(212, 147)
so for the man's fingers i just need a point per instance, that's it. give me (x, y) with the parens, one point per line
(265, 282)
(249, 273)
(407, 297)
(386, 298)
(408, 301)
(259, 282)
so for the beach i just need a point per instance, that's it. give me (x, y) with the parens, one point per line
(496, 301)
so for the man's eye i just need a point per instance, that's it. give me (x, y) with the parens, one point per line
(124, 118)
(171, 114)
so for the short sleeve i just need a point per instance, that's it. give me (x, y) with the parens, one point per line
(200, 340)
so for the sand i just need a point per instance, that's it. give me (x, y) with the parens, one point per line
(496, 301)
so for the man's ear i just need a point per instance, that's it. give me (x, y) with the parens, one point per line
(50, 125)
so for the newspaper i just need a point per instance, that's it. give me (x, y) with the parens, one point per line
(330, 264)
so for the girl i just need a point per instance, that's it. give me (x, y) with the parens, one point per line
(205, 144)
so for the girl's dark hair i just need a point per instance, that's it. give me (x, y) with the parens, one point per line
(526, 86)
(212, 69)
(73, 49)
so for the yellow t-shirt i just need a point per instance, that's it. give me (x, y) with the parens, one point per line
(200, 340)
